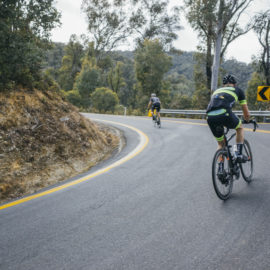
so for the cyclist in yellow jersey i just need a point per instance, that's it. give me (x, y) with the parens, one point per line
(219, 114)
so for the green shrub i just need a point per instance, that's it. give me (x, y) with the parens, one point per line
(104, 99)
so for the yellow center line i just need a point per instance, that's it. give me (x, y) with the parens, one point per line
(185, 122)
(257, 130)
(143, 143)
(203, 124)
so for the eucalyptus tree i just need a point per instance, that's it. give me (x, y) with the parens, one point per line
(113, 22)
(115, 78)
(151, 63)
(152, 19)
(71, 63)
(107, 24)
(262, 29)
(201, 16)
(227, 30)
(24, 33)
(88, 79)
(217, 22)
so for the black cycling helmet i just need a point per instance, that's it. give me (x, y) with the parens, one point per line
(229, 78)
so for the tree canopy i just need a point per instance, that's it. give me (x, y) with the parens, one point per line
(217, 22)
(262, 29)
(71, 63)
(151, 64)
(24, 30)
(110, 23)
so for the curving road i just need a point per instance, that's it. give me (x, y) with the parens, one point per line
(155, 209)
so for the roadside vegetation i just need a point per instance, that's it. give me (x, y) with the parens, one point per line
(44, 140)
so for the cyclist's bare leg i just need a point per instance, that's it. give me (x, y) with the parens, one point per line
(240, 140)
(221, 144)
(240, 135)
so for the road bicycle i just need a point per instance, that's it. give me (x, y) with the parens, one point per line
(156, 119)
(223, 182)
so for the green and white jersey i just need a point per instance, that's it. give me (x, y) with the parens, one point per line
(226, 97)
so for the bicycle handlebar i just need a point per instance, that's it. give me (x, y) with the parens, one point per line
(255, 125)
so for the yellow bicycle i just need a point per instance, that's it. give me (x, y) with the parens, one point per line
(155, 118)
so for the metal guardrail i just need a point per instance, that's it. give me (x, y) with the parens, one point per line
(263, 114)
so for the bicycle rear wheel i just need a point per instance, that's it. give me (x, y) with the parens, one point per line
(154, 120)
(158, 122)
(223, 184)
(247, 167)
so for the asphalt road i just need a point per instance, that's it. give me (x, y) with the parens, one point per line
(156, 209)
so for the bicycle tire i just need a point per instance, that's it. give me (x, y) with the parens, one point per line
(223, 187)
(154, 120)
(247, 167)
(158, 122)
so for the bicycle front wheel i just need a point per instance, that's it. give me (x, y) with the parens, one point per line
(223, 182)
(247, 167)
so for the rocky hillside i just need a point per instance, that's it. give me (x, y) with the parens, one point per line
(43, 140)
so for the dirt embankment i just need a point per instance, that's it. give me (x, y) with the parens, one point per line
(43, 140)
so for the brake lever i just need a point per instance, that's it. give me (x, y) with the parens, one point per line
(255, 125)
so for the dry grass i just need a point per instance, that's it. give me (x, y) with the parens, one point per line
(44, 140)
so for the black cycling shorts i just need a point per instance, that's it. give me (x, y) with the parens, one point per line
(155, 106)
(217, 119)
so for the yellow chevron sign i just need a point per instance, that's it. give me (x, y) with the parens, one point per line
(263, 93)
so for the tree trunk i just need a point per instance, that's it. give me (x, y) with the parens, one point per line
(216, 62)
(209, 61)
(267, 69)
(218, 44)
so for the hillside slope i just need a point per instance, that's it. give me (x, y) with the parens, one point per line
(43, 140)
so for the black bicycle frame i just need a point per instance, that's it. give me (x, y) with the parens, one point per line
(231, 160)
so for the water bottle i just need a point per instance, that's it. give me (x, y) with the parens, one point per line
(235, 151)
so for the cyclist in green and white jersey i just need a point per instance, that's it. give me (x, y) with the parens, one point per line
(219, 113)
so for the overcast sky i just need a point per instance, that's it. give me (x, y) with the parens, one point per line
(74, 22)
